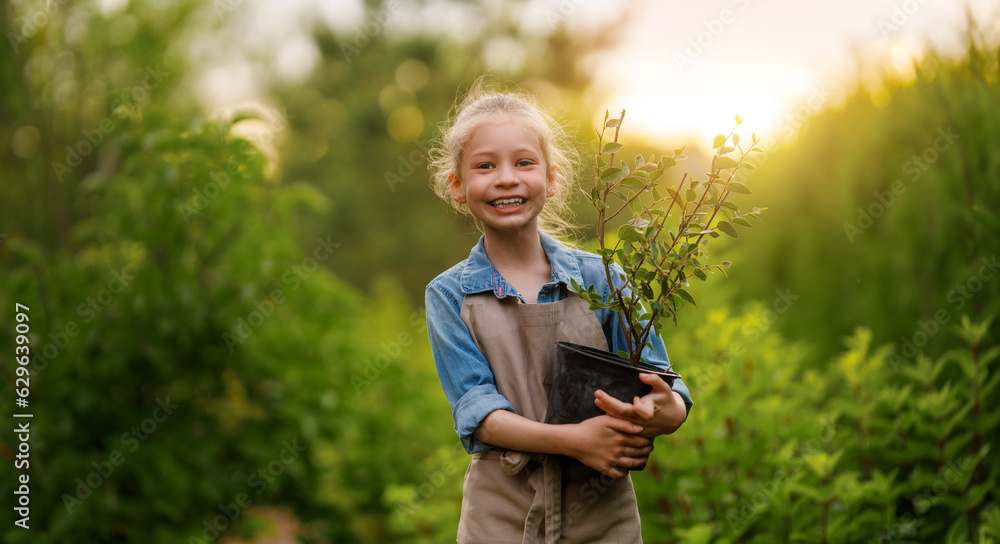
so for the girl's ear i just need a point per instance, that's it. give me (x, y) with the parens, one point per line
(455, 186)
(551, 187)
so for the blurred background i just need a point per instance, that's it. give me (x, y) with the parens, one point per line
(217, 215)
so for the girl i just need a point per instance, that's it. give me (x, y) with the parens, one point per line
(494, 320)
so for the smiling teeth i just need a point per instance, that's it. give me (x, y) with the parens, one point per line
(507, 202)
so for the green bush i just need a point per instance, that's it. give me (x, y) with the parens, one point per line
(865, 450)
(265, 361)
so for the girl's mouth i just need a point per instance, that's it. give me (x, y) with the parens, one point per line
(502, 203)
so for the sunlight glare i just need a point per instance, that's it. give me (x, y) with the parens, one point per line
(697, 110)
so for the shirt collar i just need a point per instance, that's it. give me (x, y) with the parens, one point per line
(480, 274)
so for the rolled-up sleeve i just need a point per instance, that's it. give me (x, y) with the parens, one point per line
(464, 372)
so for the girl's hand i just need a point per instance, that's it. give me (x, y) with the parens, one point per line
(605, 443)
(660, 412)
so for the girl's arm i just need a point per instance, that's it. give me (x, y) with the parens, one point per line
(602, 443)
(660, 412)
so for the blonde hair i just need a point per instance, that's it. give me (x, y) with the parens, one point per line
(480, 106)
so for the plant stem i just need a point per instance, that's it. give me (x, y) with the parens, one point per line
(602, 221)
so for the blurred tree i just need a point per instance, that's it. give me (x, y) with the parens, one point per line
(363, 120)
(883, 211)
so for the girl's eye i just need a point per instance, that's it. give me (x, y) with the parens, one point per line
(524, 162)
(484, 166)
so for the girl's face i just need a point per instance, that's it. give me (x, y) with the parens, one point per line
(503, 177)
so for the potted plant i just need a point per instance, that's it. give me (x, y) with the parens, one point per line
(648, 261)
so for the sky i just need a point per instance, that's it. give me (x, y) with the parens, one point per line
(684, 69)
(770, 61)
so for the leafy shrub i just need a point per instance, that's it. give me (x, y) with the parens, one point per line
(867, 450)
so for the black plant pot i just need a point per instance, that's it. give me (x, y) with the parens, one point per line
(582, 370)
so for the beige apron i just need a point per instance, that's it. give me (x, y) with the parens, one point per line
(512, 496)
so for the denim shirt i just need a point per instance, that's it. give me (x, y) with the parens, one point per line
(463, 370)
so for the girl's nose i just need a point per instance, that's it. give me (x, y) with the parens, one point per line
(506, 175)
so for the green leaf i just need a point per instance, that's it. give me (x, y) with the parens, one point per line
(667, 162)
(245, 115)
(728, 228)
(685, 295)
(639, 161)
(610, 123)
(736, 137)
(632, 183)
(719, 141)
(611, 147)
(610, 175)
(723, 162)
(741, 221)
(737, 187)
(628, 233)
(739, 120)
(691, 194)
(700, 274)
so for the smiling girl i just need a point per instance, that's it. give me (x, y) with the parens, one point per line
(494, 320)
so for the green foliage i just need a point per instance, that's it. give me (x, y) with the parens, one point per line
(220, 317)
(866, 451)
(889, 201)
(655, 270)
(191, 356)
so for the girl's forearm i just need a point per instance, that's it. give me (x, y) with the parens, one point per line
(508, 430)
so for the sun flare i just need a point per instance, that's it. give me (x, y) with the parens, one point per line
(696, 110)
